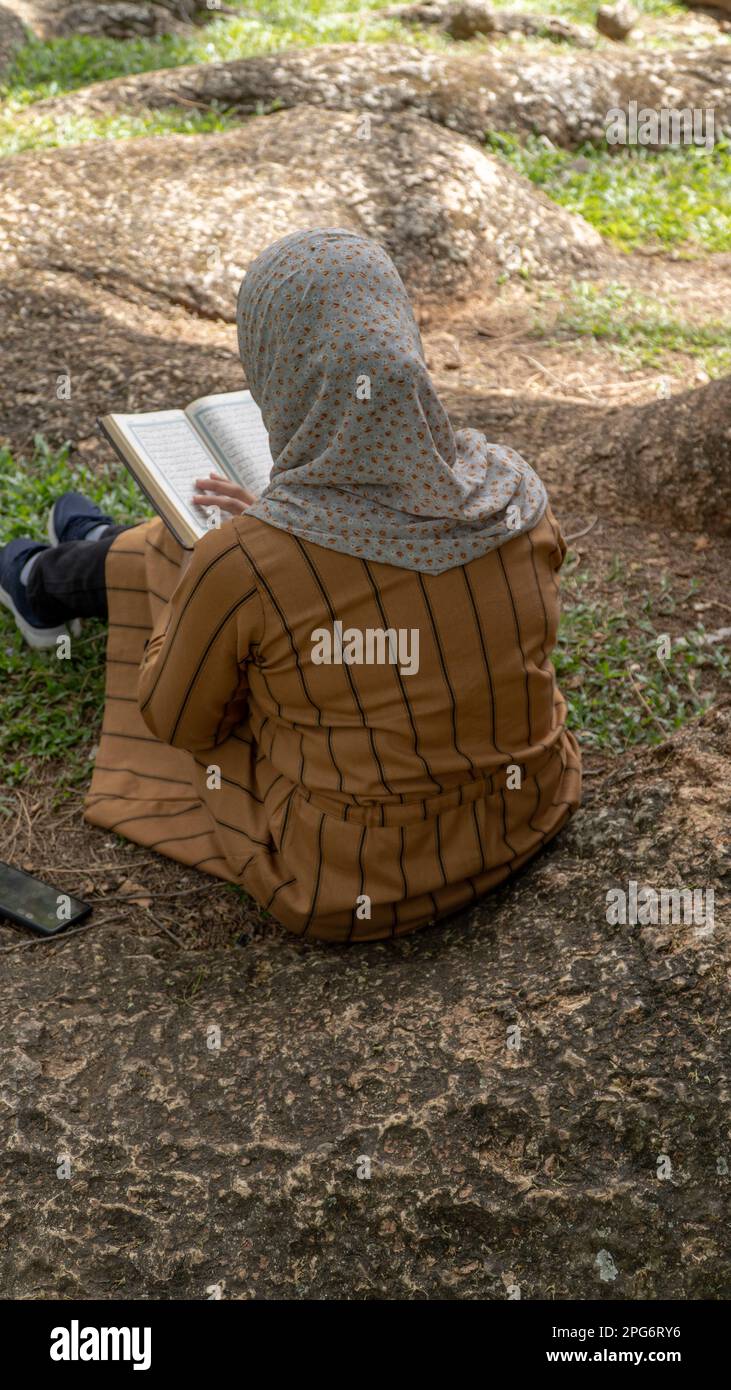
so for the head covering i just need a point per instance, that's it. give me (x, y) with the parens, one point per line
(365, 458)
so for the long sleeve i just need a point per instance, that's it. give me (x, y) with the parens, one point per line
(192, 687)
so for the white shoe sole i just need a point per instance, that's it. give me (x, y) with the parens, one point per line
(39, 638)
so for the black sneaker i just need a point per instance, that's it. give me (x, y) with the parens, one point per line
(72, 517)
(14, 594)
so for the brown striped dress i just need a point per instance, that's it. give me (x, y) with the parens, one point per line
(351, 801)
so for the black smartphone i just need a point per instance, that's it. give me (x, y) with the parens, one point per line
(31, 903)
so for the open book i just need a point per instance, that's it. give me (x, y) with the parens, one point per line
(166, 450)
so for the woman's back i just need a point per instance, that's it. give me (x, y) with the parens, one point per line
(375, 684)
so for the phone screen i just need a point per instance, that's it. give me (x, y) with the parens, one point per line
(29, 902)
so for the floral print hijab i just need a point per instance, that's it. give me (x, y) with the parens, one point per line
(365, 458)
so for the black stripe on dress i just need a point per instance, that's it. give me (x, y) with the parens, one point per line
(285, 625)
(520, 643)
(539, 589)
(278, 889)
(153, 815)
(485, 657)
(318, 875)
(285, 820)
(221, 556)
(146, 776)
(211, 640)
(445, 673)
(361, 889)
(176, 563)
(404, 696)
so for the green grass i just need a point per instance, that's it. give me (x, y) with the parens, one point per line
(639, 330)
(634, 197)
(51, 709)
(31, 486)
(599, 643)
(49, 68)
(35, 131)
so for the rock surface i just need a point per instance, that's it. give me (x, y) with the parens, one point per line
(181, 218)
(616, 21)
(542, 1166)
(49, 19)
(673, 457)
(466, 19)
(119, 19)
(565, 96)
(667, 461)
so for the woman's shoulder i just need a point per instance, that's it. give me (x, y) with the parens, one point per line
(221, 550)
(262, 543)
(229, 535)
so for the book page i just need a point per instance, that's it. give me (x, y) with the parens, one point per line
(232, 427)
(175, 455)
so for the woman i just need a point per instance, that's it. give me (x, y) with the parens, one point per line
(343, 701)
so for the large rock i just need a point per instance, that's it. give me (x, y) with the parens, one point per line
(672, 458)
(181, 217)
(124, 258)
(119, 19)
(584, 1156)
(466, 19)
(616, 21)
(668, 462)
(565, 95)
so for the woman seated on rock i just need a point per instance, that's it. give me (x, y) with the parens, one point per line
(342, 698)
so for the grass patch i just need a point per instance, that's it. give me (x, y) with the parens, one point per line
(35, 131)
(639, 330)
(49, 68)
(52, 709)
(30, 487)
(676, 198)
(619, 692)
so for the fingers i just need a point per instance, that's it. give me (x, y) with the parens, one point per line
(216, 491)
(215, 483)
(234, 505)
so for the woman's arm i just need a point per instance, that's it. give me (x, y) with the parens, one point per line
(192, 687)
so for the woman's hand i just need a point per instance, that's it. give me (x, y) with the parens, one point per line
(215, 491)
